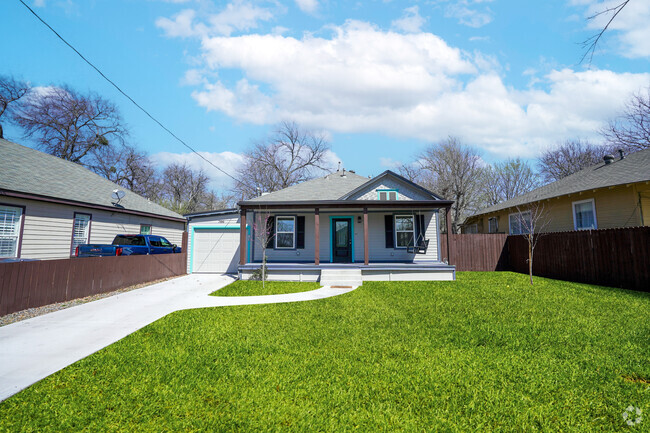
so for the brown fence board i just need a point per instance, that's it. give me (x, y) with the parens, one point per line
(476, 252)
(33, 284)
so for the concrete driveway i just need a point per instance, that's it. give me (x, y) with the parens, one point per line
(35, 348)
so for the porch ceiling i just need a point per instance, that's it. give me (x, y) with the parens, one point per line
(351, 204)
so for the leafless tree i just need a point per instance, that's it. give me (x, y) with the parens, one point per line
(292, 155)
(590, 44)
(532, 220)
(631, 130)
(570, 157)
(183, 189)
(129, 168)
(11, 91)
(264, 233)
(452, 170)
(508, 179)
(70, 125)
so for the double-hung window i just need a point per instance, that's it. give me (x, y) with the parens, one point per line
(493, 225)
(145, 229)
(80, 231)
(285, 232)
(387, 194)
(519, 223)
(584, 215)
(404, 231)
(10, 218)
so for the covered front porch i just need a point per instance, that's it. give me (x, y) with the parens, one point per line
(372, 238)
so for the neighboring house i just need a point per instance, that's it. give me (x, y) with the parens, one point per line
(612, 194)
(49, 205)
(341, 220)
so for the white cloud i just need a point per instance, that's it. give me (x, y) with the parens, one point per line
(469, 13)
(228, 161)
(307, 6)
(365, 80)
(240, 15)
(630, 27)
(410, 22)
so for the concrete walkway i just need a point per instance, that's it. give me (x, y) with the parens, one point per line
(33, 349)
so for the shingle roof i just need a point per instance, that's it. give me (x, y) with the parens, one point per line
(29, 171)
(330, 187)
(634, 168)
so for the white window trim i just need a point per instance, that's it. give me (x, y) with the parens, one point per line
(19, 224)
(496, 224)
(293, 246)
(593, 208)
(403, 231)
(516, 214)
(86, 238)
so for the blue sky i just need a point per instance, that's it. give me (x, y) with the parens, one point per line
(381, 78)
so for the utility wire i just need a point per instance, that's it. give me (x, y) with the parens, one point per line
(129, 98)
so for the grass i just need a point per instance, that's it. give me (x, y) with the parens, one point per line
(486, 353)
(254, 288)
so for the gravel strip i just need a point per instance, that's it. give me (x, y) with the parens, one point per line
(39, 311)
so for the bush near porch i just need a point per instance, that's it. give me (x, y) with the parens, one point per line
(487, 352)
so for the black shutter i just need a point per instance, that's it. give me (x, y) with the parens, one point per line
(419, 230)
(300, 233)
(388, 221)
(270, 230)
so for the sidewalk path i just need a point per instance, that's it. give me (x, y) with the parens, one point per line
(33, 349)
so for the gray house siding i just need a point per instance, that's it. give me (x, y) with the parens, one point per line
(47, 230)
(405, 192)
(376, 239)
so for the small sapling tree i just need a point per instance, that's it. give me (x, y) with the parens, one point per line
(532, 219)
(264, 234)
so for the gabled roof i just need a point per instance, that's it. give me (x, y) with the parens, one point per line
(330, 187)
(340, 185)
(36, 174)
(388, 174)
(634, 168)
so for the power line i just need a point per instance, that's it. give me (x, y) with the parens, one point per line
(128, 97)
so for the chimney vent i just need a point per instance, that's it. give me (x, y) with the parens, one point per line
(608, 159)
(620, 152)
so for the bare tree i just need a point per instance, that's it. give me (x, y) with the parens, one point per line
(568, 158)
(291, 156)
(631, 130)
(532, 220)
(183, 189)
(11, 91)
(70, 125)
(591, 43)
(264, 234)
(454, 171)
(508, 179)
(129, 168)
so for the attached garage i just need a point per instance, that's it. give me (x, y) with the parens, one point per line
(213, 243)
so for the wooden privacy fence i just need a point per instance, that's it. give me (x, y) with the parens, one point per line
(476, 252)
(610, 257)
(34, 284)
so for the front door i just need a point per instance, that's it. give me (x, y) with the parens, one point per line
(341, 241)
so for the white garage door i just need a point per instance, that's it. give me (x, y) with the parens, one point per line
(215, 250)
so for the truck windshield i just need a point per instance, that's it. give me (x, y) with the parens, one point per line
(129, 240)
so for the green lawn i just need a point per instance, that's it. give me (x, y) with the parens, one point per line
(254, 288)
(486, 353)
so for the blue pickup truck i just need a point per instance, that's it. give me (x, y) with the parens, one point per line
(129, 245)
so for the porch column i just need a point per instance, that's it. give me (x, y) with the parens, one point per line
(448, 223)
(365, 235)
(242, 237)
(317, 239)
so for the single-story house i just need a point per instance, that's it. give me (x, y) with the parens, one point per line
(48, 206)
(612, 194)
(383, 228)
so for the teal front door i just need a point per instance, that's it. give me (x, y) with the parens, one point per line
(341, 241)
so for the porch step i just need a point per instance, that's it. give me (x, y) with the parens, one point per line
(340, 277)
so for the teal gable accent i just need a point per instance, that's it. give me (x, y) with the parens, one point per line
(396, 191)
(222, 227)
(351, 218)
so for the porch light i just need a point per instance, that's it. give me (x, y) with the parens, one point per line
(359, 219)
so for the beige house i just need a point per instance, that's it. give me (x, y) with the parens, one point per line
(611, 194)
(48, 206)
